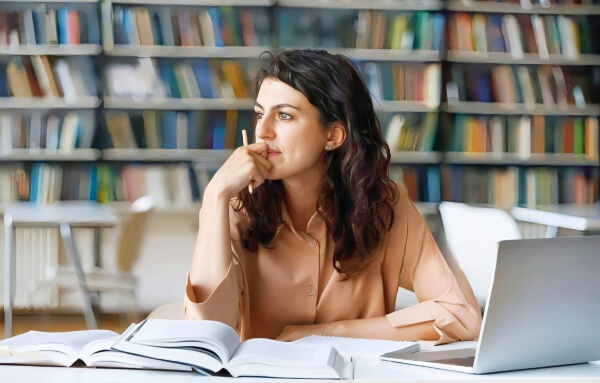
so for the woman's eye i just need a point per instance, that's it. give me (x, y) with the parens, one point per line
(285, 116)
(258, 115)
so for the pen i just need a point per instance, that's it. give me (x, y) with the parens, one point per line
(245, 137)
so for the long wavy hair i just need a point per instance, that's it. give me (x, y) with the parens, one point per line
(357, 196)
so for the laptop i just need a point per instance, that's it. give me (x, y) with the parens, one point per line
(542, 310)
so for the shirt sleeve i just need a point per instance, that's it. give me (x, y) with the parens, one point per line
(445, 296)
(224, 304)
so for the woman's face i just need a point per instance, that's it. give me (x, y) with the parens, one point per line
(290, 126)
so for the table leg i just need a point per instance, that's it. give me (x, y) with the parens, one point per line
(551, 231)
(97, 255)
(67, 236)
(9, 273)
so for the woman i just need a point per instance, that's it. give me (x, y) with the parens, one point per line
(325, 239)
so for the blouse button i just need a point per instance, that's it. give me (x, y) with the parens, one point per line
(312, 243)
(311, 290)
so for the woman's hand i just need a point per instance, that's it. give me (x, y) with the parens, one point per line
(248, 164)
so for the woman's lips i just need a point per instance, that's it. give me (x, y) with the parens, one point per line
(272, 153)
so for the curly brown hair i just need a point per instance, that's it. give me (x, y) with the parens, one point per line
(357, 196)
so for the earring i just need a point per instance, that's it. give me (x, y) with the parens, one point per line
(329, 148)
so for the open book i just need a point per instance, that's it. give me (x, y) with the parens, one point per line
(210, 346)
(92, 347)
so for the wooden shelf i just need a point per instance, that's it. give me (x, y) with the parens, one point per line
(164, 155)
(497, 7)
(404, 5)
(534, 159)
(48, 103)
(15, 155)
(472, 107)
(403, 106)
(406, 157)
(51, 50)
(215, 3)
(388, 54)
(192, 52)
(528, 58)
(179, 103)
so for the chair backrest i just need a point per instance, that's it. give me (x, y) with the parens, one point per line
(472, 234)
(133, 227)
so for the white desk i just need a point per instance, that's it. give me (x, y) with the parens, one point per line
(365, 371)
(584, 218)
(64, 216)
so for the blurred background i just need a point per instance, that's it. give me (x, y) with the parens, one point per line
(115, 114)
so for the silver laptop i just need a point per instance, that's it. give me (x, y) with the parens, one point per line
(543, 310)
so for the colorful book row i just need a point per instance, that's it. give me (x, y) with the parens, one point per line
(178, 130)
(364, 29)
(39, 76)
(148, 78)
(525, 135)
(50, 131)
(44, 25)
(178, 26)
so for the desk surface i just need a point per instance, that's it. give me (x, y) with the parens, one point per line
(76, 214)
(364, 371)
(575, 217)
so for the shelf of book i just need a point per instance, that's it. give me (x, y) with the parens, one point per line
(408, 157)
(51, 50)
(179, 103)
(404, 106)
(207, 3)
(21, 155)
(527, 59)
(534, 159)
(186, 52)
(165, 155)
(472, 107)
(404, 5)
(499, 7)
(124, 207)
(417, 55)
(48, 103)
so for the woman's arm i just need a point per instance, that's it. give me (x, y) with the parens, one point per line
(212, 290)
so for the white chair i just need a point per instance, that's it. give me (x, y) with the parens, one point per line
(119, 282)
(472, 234)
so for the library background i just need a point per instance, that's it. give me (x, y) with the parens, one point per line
(488, 103)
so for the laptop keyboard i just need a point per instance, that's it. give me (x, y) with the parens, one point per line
(467, 361)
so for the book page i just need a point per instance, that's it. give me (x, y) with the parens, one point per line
(186, 333)
(270, 358)
(360, 348)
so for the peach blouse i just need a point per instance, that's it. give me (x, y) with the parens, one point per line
(294, 282)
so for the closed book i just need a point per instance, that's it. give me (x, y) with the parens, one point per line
(51, 27)
(63, 25)
(68, 132)
(215, 16)
(207, 28)
(166, 26)
(130, 25)
(29, 38)
(74, 27)
(144, 26)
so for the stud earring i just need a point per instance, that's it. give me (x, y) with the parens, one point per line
(329, 148)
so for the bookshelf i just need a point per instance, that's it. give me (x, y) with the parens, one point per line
(409, 77)
(521, 111)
